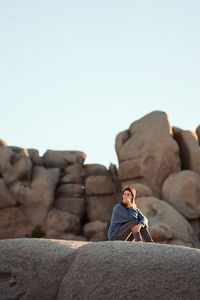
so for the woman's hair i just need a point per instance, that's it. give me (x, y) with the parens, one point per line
(132, 190)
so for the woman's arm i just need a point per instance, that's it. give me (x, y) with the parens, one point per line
(142, 219)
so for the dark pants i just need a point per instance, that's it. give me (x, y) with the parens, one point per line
(125, 233)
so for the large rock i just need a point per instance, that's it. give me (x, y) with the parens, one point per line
(189, 149)
(36, 197)
(3, 143)
(165, 222)
(53, 269)
(15, 164)
(72, 205)
(182, 191)
(99, 185)
(125, 270)
(95, 170)
(14, 224)
(100, 207)
(59, 221)
(35, 157)
(147, 153)
(61, 159)
(70, 189)
(6, 198)
(96, 231)
(198, 133)
(33, 268)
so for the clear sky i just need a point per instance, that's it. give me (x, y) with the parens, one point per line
(73, 74)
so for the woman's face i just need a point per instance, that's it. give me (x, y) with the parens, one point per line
(127, 197)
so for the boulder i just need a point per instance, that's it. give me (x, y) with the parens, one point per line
(14, 224)
(95, 170)
(71, 178)
(113, 267)
(189, 149)
(198, 133)
(100, 207)
(75, 169)
(6, 198)
(99, 185)
(62, 159)
(165, 221)
(147, 153)
(15, 164)
(61, 222)
(36, 197)
(3, 143)
(96, 231)
(57, 269)
(182, 191)
(72, 205)
(35, 157)
(70, 189)
(34, 268)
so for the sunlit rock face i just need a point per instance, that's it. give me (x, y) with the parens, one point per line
(147, 152)
(189, 149)
(59, 196)
(56, 269)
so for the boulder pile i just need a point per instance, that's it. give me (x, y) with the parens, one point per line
(59, 196)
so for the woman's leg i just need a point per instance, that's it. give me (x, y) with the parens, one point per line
(125, 232)
(146, 234)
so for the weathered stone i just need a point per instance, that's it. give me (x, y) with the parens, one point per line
(100, 207)
(35, 157)
(95, 170)
(75, 169)
(70, 188)
(75, 206)
(36, 197)
(117, 263)
(61, 222)
(96, 231)
(15, 164)
(57, 269)
(3, 143)
(99, 185)
(34, 268)
(158, 211)
(14, 224)
(182, 191)
(71, 178)
(198, 133)
(150, 155)
(6, 198)
(61, 159)
(189, 149)
(72, 237)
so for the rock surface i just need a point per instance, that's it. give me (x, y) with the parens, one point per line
(55, 269)
(182, 191)
(147, 153)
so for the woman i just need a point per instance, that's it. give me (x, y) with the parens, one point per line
(127, 222)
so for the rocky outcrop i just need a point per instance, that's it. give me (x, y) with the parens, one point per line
(189, 149)
(147, 152)
(55, 269)
(182, 191)
(59, 196)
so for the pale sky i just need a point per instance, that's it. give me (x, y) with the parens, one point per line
(73, 74)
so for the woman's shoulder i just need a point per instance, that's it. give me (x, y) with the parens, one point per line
(119, 207)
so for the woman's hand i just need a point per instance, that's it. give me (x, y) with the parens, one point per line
(137, 228)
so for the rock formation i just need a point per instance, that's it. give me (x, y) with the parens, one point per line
(59, 196)
(53, 269)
